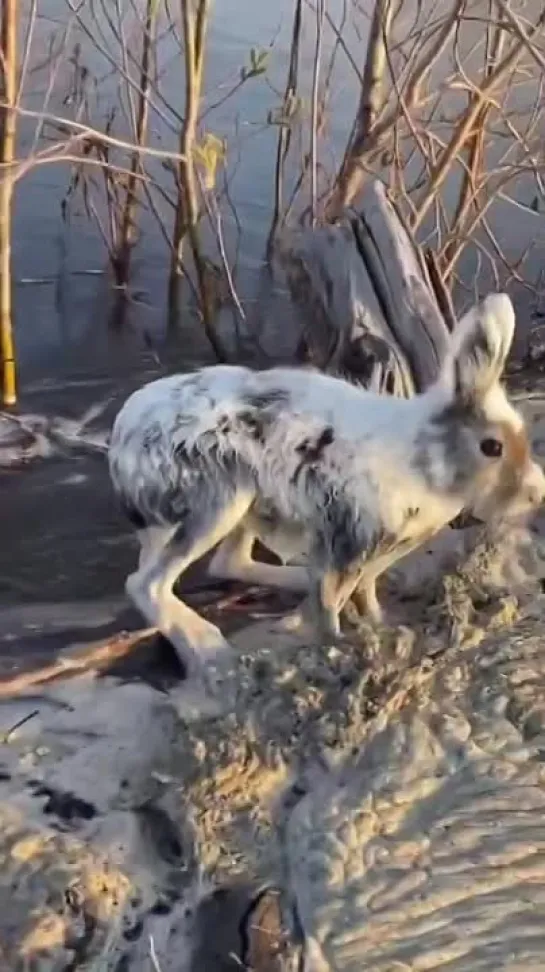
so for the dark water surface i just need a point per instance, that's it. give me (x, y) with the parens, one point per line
(63, 296)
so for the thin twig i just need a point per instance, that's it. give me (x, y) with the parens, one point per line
(468, 120)
(153, 955)
(121, 262)
(214, 216)
(68, 124)
(195, 18)
(314, 105)
(372, 97)
(6, 736)
(284, 133)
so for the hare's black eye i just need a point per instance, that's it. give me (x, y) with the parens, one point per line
(492, 448)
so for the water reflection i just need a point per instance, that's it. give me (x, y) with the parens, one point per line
(63, 294)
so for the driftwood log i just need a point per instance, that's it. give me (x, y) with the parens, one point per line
(371, 300)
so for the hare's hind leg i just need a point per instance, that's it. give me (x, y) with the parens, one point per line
(152, 540)
(165, 555)
(233, 561)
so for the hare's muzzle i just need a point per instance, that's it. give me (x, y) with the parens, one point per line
(533, 486)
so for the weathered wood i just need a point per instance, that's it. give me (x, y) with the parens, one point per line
(331, 285)
(344, 327)
(368, 301)
(403, 286)
(93, 659)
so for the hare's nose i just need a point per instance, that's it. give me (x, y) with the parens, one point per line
(536, 496)
(535, 485)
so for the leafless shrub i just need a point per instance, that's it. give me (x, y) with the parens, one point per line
(449, 116)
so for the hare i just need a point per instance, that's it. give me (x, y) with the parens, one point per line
(340, 480)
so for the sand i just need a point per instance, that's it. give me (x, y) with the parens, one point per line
(375, 804)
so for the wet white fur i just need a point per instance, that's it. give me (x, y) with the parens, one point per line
(374, 466)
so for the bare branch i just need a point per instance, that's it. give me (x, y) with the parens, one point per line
(372, 97)
(468, 120)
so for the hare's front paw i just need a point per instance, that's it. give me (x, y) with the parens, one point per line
(311, 620)
(364, 603)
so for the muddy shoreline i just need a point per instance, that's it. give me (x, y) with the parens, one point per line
(388, 794)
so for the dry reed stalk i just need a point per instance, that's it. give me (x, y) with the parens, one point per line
(127, 236)
(320, 15)
(284, 134)
(186, 219)
(8, 125)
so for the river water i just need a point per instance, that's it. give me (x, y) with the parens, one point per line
(62, 293)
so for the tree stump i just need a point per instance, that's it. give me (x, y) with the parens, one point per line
(372, 302)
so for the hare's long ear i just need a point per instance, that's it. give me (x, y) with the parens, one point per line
(480, 345)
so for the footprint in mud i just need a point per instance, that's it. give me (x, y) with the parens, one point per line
(62, 804)
(160, 832)
(248, 931)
